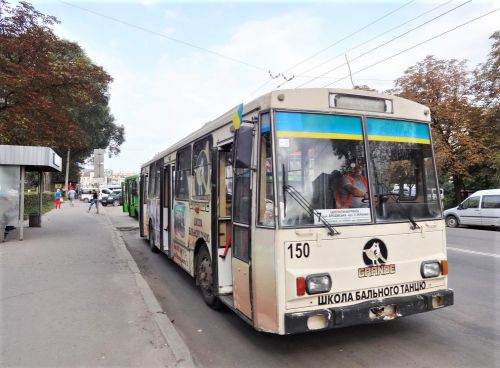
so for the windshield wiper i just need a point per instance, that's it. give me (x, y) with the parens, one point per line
(299, 198)
(402, 211)
(414, 225)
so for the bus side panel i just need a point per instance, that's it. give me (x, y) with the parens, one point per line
(180, 251)
(264, 280)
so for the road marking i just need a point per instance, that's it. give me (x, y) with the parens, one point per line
(474, 252)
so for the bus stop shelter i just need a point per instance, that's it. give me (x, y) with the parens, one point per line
(15, 161)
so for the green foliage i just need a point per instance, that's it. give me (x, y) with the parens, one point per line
(465, 113)
(31, 203)
(51, 93)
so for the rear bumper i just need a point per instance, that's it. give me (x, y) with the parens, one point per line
(362, 313)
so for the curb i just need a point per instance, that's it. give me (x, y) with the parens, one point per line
(175, 342)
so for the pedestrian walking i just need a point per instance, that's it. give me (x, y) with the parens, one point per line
(58, 198)
(94, 200)
(71, 196)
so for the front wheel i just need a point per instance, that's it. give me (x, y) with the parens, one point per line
(205, 280)
(116, 203)
(451, 221)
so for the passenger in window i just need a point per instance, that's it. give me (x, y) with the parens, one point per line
(356, 186)
(339, 193)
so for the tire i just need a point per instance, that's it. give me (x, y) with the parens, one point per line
(152, 245)
(451, 221)
(116, 203)
(204, 278)
(86, 200)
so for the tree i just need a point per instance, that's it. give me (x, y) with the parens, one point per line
(51, 93)
(444, 86)
(486, 96)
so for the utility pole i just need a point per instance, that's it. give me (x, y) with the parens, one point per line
(67, 174)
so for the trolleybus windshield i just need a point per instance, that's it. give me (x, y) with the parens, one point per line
(322, 165)
(403, 174)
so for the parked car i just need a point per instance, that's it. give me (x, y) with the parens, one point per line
(113, 199)
(85, 194)
(105, 192)
(482, 208)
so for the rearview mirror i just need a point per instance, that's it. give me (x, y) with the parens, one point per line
(243, 146)
(460, 207)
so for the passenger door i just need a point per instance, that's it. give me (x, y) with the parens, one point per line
(222, 252)
(469, 211)
(166, 208)
(242, 218)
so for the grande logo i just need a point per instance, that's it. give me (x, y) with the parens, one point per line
(375, 258)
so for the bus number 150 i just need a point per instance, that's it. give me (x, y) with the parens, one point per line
(299, 250)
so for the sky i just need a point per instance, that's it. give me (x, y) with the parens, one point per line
(179, 64)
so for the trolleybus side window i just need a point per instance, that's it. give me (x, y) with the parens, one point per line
(242, 192)
(266, 192)
(183, 171)
(226, 186)
(157, 177)
(146, 187)
(166, 187)
(151, 182)
(134, 187)
(201, 169)
(321, 165)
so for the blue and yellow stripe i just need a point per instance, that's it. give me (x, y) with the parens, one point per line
(397, 131)
(323, 126)
(300, 125)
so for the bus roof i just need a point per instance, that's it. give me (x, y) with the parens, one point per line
(305, 99)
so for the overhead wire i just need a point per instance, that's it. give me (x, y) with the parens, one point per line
(386, 42)
(301, 75)
(173, 39)
(412, 47)
(331, 45)
(349, 35)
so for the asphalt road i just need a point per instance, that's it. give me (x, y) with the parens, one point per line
(464, 335)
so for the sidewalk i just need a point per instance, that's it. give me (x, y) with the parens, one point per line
(71, 295)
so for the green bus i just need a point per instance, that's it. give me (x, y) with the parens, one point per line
(130, 192)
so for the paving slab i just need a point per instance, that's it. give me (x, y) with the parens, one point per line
(71, 295)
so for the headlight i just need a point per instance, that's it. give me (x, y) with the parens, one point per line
(318, 283)
(430, 269)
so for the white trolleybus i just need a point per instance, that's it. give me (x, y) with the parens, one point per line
(307, 209)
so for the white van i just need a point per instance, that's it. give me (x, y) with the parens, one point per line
(482, 208)
(104, 192)
(112, 186)
(85, 194)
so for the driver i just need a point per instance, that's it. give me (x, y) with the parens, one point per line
(356, 187)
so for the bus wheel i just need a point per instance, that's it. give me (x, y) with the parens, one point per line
(205, 280)
(451, 221)
(152, 245)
